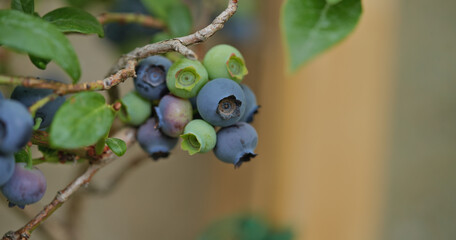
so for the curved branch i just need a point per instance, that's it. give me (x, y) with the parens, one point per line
(180, 44)
(127, 135)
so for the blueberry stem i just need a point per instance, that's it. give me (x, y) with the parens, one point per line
(38, 122)
(29, 158)
(40, 103)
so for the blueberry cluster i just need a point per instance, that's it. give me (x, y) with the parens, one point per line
(22, 183)
(190, 100)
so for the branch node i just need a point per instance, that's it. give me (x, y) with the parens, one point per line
(184, 50)
(25, 235)
(9, 235)
(59, 196)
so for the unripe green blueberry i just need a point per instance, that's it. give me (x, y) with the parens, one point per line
(135, 109)
(199, 137)
(186, 77)
(225, 61)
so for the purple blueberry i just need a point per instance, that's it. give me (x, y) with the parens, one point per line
(28, 96)
(26, 186)
(16, 126)
(150, 81)
(6, 168)
(236, 143)
(221, 102)
(251, 107)
(173, 114)
(153, 141)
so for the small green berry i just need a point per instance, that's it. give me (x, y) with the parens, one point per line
(225, 61)
(135, 109)
(199, 137)
(186, 77)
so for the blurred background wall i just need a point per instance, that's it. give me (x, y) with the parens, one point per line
(357, 145)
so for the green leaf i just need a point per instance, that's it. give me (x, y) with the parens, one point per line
(21, 156)
(40, 63)
(99, 146)
(70, 19)
(179, 20)
(312, 26)
(50, 155)
(26, 6)
(32, 35)
(117, 146)
(333, 1)
(159, 7)
(81, 121)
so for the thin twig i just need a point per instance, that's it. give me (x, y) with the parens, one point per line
(51, 229)
(124, 18)
(127, 135)
(180, 44)
(118, 177)
(63, 88)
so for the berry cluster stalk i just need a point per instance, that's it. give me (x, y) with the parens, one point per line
(123, 70)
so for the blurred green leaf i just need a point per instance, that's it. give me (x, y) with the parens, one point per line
(70, 19)
(81, 121)
(40, 63)
(26, 6)
(180, 20)
(312, 26)
(99, 146)
(30, 34)
(21, 156)
(240, 227)
(280, 235)
(160, 8)
(50, 155)
(333, 1)
(117, 146)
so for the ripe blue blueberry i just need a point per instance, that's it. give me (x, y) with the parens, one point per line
(16, 126)
(150, 81)
(26, 186)
(236, 143)
(221, 102)
(6, 168)
(153, 141)
(173, 114)
(251, 107)
(29, 96)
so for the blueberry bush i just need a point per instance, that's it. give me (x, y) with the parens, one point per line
(177, 96)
